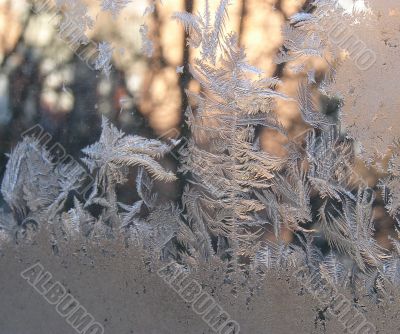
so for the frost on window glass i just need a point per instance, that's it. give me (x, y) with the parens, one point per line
(231, 141)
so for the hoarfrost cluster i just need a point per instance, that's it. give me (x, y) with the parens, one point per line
(237, 198)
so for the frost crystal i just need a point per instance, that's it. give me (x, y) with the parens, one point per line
(147, 44)
(76, 21)
(104, 58)
(237, 201)
(114, 6)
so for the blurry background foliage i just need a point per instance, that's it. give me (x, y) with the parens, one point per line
(43, 82)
